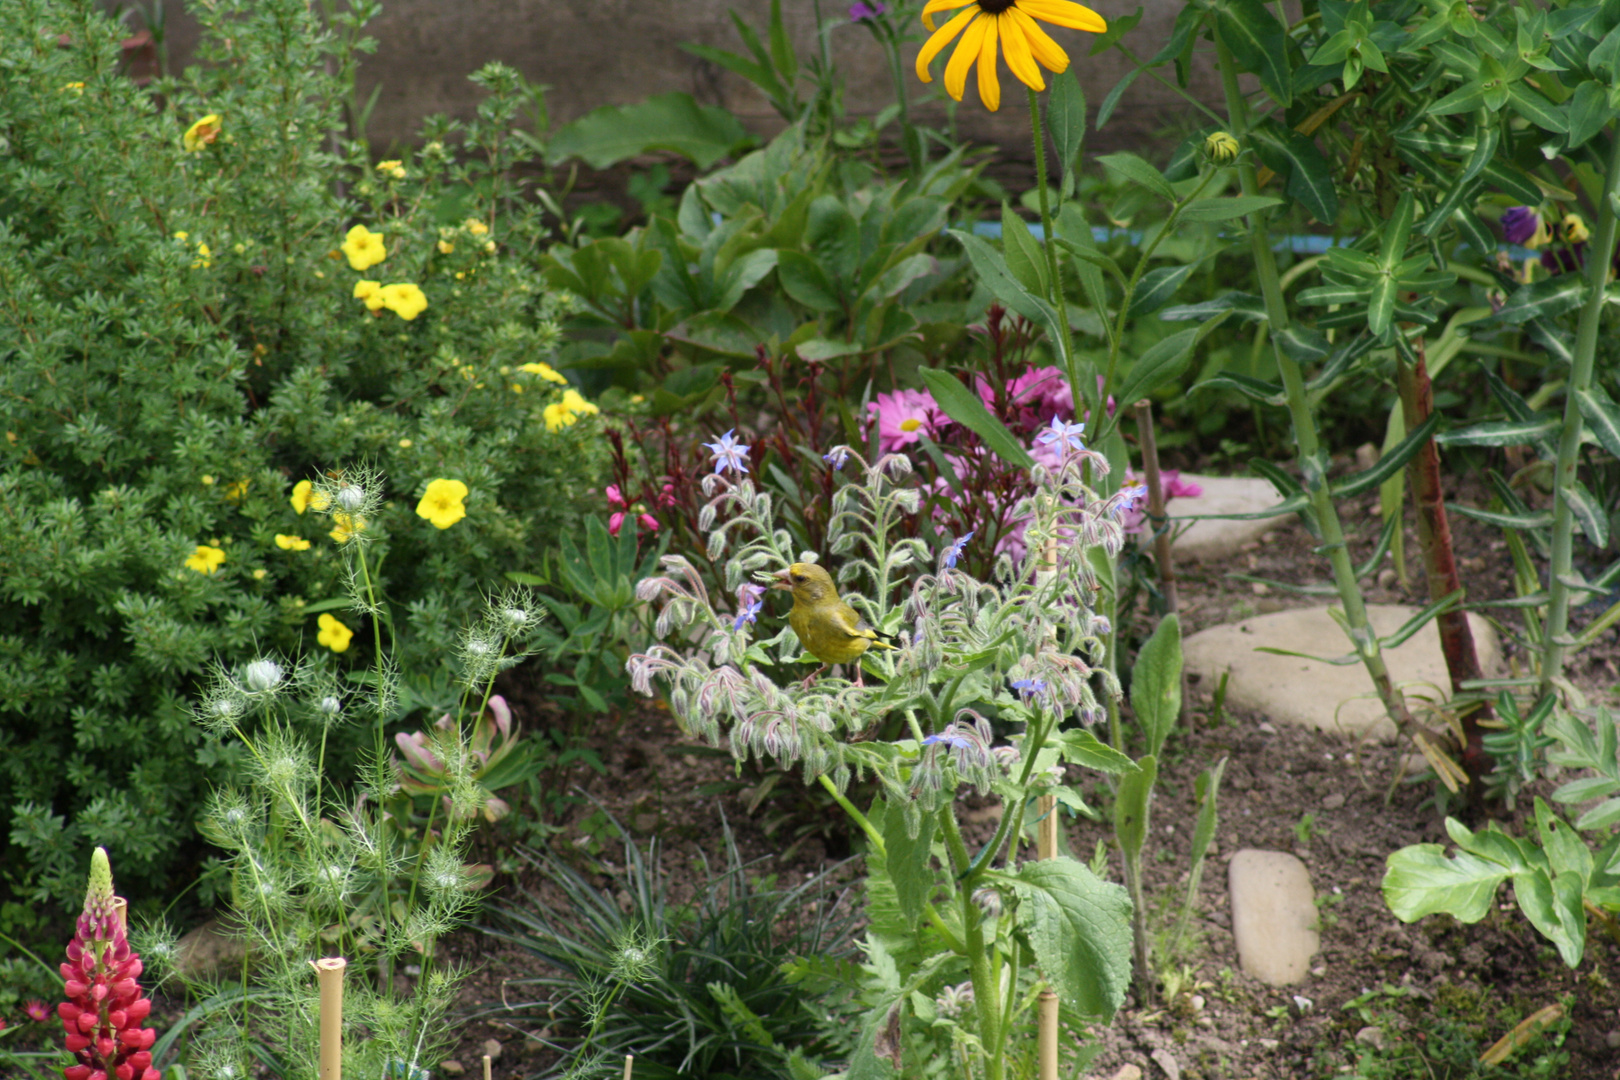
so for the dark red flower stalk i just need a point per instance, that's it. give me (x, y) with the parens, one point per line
(104, 1006)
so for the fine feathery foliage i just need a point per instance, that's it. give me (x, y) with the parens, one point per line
(210, 295)
(700, 989)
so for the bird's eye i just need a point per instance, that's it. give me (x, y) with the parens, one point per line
(798, 577)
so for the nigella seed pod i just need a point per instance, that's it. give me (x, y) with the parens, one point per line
(350, 497)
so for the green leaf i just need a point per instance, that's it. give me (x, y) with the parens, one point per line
(1553, 906)
(1593, 518)
(1132, 806)
(1421, 881)
(1079, 928)
(1066, 118)
(1520, 522)
(1418, 621)
(1138, 171)
(805, 281)
(1025, 259)
(743, 274)
(1310, 179)
(1387, 465)
(1259, 43)
(1253, 389)
(1245, 305)
(675, 122)
(1544, 299)
(1602, 417)
(1080, 747)
(1538, 110)
(964, 406)
(1500, 433)
(1111, 102)
(1514, 182)
(991, 269)
(1227, 209)
(1164, 361)
(906, 860)
(1589, 112)
(1156, 683)
(1156, 287)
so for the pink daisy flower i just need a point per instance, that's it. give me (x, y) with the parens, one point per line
(904, 417)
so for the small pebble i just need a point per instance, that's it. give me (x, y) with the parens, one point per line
(1387, 576)
(1128, 1071)
(1260, 588)
(1613, 1039)
(1265, 726)
(1475, 564)
(492, 1049)
(452, 1067)
(1197, 1002)
(1269, 1044)
(1333, 801)
(1371, 1036)
(1166, 1061)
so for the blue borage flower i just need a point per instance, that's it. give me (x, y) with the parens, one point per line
(1029, 688)
(729, 453)
(954, 550)
(1062, 431)
(836, 457)
(750, 600)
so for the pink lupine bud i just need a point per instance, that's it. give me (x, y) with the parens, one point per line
(104, 1007)
(503, 714)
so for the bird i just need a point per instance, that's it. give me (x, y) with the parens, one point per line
(829, 629)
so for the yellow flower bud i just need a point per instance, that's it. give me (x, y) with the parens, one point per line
(1221, 148)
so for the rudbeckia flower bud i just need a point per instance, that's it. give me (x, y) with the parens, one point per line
(1221, 148)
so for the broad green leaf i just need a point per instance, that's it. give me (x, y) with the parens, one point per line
(1421, 881)
(1227, 209)
(1259, 43)
(1079, 927)
(1156, 287)
(1553, 906)
(1132, 805)
(1137, 171)
(1601, 816)
(1565, 851)
(1156, 683)
(827, 348)
(675, 122)
(1602, 417)
(1589, 112)
(964, 406)
(1295, 156)
(1500, 433)
(1381, 306)
(1025, 258)
(742, 275)
(906, 859)
(1066, 118)
(805, 281)
(1080, 747)
(1535, 108)
(991, 269)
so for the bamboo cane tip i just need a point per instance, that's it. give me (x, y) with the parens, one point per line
(121, 909)
(329, 963)
(629, 1062)
(488, 1064)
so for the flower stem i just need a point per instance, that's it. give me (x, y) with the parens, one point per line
(1557, 640)
(1054, 270)
(1313, 461)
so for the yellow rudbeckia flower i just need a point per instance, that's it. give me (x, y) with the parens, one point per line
(364, 248)
(205, 560)
(441, 503)
(334, 635)
(1012, 23)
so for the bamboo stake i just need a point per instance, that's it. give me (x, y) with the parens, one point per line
(488, 1064)
(1047, 1020)
(1161, 526)
(329, 973)
(629, 1061)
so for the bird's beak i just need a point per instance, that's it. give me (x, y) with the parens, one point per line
(783, 580)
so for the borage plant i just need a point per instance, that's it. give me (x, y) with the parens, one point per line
(1018, 654)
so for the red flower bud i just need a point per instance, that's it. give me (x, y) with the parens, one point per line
(139, 1010)
(118, 1018)
(68, 1011)
(87, 1021)
(76, 1072)
(105, 1047)
(126, 1071)
(75, 1043)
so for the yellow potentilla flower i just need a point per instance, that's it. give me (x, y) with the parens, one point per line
(545, 371)
(403, 299)
(203, 132)
(370, 292)
(446, 247)
(258, 575)
(333, 634)
(396, 169)
(205, 560)
(291, 543)
(558, 416)
(235, 492)
(305, 496)
(1012, 22)
(474, 226)
(364, 248)
(204, 257)
(574, 403)
(346, 527)
(441, 503)
(75, 87)
(405, 444)
(182, 236)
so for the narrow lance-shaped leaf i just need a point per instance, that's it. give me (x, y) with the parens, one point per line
(964, 406)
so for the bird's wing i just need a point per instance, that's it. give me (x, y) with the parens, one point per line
(846, 619)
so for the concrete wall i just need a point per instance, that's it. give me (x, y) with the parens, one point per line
(601, 52)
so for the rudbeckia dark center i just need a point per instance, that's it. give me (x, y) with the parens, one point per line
(995, 7)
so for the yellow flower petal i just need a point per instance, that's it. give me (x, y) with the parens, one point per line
(206, 559)
(442, 503)
(291, 543)
(942, 37)
(967, 51)
(1063, 13)
(364, 248)
(1015, 47)
(934, 6)
(1046, 51)
(989, 85)
(333, 634)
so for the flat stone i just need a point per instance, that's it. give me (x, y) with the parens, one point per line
(1273, 915)
(1166, 1061)
(1312, 694)
(1128, 1071)
(1202, 541)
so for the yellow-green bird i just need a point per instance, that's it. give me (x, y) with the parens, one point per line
(829, 629)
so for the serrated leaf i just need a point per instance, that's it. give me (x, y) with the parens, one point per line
(906, 860)
(1079, 928)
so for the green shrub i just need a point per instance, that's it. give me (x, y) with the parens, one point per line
(182, 343)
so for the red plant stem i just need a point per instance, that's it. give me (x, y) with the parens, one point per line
(1160, 524)
(1440, 564)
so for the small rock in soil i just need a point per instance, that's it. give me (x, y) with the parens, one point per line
(1273, 915)
(1127, 1072)
(1612, 1039)
(492, 1049)
(452, 1067)
(1167, 1061)
(1386, 577)
(1371, 1036)
(1333, 801)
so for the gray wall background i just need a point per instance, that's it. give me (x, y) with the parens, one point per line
(614, 52)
